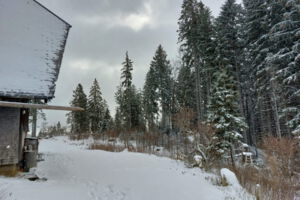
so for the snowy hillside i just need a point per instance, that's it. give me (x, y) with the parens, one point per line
(75, 173)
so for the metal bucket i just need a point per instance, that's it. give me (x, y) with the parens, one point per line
(30, 153)
(30, 160)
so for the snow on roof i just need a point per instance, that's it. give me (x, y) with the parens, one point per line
(32, 42)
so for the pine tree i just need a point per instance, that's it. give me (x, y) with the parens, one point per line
(126, 75)
(96, 108)
(228, 48)
(224, 114)
(197, 46)
(137, 114)
(283, 63)
(79, 120)
(233, 53)
(158, 89)
(150, 100)
(107, 121)
(118, 120)
(126, 97)
(255, 27)
(163, 71)
(185, 88)
(126, 89)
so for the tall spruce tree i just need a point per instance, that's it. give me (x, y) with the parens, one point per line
(127, 98)
(158, 89)
(196, 38)
(107, 121)
(150, 100)
(255, 27)
(228, 48)
(118, 120)
(79, 120)
(185, 88)
(96, 108)
(283, 63)
(137, 114)
(163, 71)
(224, 114)
(126, 89)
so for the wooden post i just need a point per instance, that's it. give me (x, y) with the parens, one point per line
(34, 121)
(38, 106)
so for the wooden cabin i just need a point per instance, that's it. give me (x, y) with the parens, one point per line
(32, 43)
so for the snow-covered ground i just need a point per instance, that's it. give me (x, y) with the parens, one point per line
(75, 173)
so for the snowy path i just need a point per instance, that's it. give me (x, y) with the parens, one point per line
(74, 173)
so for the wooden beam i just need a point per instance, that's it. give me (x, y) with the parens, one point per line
(38, 106)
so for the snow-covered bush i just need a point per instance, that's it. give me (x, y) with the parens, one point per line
(228, 178)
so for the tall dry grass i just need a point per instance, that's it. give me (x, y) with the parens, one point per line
(279, 179)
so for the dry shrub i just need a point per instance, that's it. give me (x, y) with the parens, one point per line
(116, 148)
(107, 147)
(278, 180)
(81, 136)
(184, 119)
(280, 154)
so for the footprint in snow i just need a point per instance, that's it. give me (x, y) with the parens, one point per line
(109, 192)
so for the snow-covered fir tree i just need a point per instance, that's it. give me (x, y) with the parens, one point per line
(224, 114)
(96, 108)
(255, 29)
(284, 65)
(197, 47)
(228, 48)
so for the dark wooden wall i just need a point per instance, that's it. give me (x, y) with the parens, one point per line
(9, 135)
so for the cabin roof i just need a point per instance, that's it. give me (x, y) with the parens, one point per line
(32, 43)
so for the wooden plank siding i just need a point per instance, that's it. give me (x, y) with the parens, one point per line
(9, 136)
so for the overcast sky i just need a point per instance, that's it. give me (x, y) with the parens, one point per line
(102, 31)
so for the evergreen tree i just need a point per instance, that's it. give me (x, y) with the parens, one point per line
(283, 64)
(270, 34)
(126, 92)
(231, 54)
(255, 27)
(107, 121)
(126, 75)
(118, 120)
(197, 46)
(158, 89)
(79, 120)
(163, 71)
(227, 38)
(127, 98)
(185, 88)
(224, 114)
(137, 114)
(229, 48)
(96, 108)
(150, 100)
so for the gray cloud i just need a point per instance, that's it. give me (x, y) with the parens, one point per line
(103, 30)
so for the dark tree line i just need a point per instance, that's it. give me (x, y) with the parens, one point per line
(239, 72)
(257, 46)
(96, 116)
